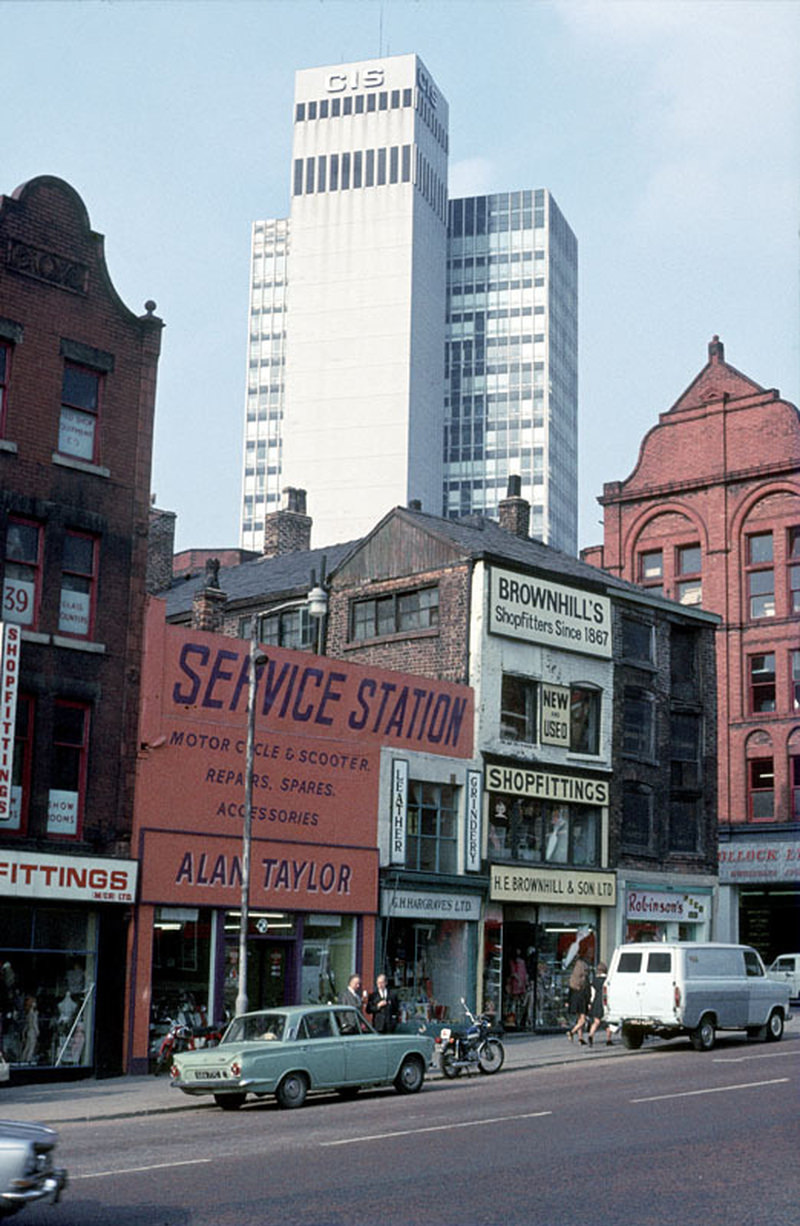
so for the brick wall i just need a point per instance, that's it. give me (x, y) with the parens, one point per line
(722, 464)
(55, 286)
(439, 653)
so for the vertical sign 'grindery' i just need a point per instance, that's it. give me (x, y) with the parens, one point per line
(474, 798)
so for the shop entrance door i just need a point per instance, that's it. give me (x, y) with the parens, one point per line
(270, 973)
(267, 973)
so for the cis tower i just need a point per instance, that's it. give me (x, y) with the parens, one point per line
(403, 346)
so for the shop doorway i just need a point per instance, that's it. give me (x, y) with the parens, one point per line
(528, 964)
(270, 973)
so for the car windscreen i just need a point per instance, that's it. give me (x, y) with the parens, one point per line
(256, 1026)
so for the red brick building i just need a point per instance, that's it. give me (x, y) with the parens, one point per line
(711, 516)
(77, 392)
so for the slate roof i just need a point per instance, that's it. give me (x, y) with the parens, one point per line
(263, 578)
(271, 579)
(477, 536)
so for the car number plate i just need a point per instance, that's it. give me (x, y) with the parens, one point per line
(205, 1075)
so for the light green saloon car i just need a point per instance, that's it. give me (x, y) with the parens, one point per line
(287, 1052)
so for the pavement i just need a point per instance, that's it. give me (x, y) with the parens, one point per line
(119, 1098)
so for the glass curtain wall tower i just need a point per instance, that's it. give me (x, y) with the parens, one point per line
(511, 403)
(401, 348)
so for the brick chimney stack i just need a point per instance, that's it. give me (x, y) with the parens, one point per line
(208, 604)
(160, 548)
(288, 530)
(514, 512)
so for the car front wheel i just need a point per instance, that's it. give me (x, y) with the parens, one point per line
(410, 1077)
(292, 1090)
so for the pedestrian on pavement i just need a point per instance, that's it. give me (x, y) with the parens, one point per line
(578, 1001)
(352, 995)
(383, 1007)
(596, 1007)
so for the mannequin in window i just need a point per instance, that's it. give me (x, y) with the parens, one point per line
(67, 1009)
(30, 1031)
(557, 838)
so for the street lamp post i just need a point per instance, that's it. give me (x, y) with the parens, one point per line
(256, 660)
(317, 604)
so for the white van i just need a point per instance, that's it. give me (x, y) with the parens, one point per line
(786, 969)
(694, 988)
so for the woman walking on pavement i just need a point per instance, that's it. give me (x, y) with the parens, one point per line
(578, 1002)
(596, 1009)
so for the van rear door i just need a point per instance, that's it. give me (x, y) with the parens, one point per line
(660, 975)
(642, 986)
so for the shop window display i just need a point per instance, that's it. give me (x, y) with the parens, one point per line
(543, 831)
(181, 968)
(47, 985)
(527, 970)
(328, 957)
(427, 965)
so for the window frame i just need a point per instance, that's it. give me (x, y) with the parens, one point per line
(635, 693)
(794, 787)
(688, 582)
(683, 781)
(675, 846)
(761, 690)
(388, 610)
(794, 679)
(760, 768)
(756, 568)
(90, 577)
(6, 350)
(793, 569)
(655, 581)
(81, 750)
(92, 414)
(528, 718)
(594, 695)
(35, 567)
(634, 788)
(276, 629)
(417, 841)
(630, 649)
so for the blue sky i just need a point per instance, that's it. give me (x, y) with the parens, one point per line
(669, 134)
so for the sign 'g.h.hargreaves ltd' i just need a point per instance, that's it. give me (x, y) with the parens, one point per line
(530, 608)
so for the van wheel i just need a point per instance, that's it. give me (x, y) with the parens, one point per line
(632, 1037)
(775, 1026)
(704, 1036)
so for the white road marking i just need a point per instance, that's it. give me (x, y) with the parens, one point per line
(410, 1132)
(744, 1085)
(136, 1170)
(772, 1055)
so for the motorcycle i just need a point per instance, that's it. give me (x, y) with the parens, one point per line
(470, 1047)
(182, 1037)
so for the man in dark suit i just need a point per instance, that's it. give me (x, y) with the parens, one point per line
(383, 1007)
